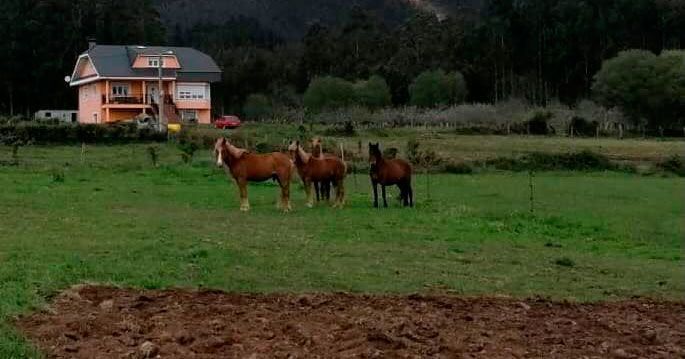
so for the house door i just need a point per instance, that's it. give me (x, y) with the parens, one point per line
(152, 90)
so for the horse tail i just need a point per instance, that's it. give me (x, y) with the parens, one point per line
(342, 157)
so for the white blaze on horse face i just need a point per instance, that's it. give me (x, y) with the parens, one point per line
(219, 160)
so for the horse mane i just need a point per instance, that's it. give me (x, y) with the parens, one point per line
(235, 151)
(304, 156)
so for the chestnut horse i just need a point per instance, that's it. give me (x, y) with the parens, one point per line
(388, 172)
(246, 167)
(322, 189)
(326, 169)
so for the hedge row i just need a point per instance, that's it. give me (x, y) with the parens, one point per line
(38, 133)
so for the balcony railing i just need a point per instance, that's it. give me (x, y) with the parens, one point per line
(123, 100)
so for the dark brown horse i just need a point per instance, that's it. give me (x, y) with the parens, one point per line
(326, 169)
(249, 167)
(389, 172)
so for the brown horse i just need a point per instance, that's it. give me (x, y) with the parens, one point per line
(249, 167)
(326, 169)
(388, 173)
(322, 189)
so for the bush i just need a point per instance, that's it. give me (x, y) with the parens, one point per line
(458, 168)
(673, 164)
(390, 152)
(582, 127)
(328, 93)
(581, 161)
(38, 133)
(344, 130)
(538, 125)
(257, 107)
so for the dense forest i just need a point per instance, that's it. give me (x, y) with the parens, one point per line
(534, 49)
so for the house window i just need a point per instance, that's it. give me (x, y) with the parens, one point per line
(191, 92)
(120, 90)
(154, 62)
(189, 115)
(48, 115)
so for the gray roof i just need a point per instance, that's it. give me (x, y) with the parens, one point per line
(116, 61)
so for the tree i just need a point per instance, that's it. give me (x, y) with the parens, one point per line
(328, 93)
(373, 93)
(257, 106)
(435, 88)
(644, 86)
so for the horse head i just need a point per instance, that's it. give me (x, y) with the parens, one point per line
(374, 153)
(220, 151)
(224, 151)
(296, 152)
(317, 150)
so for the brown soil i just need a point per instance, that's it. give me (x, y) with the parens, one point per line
(104, 322)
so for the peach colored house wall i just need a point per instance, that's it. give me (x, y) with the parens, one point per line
(90, 103)
(170, 62)
(193, 105)
(204, 116)
(86, 69)
(122, 114)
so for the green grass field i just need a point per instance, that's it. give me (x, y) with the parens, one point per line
(110, 217)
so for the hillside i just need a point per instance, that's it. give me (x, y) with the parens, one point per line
(290, 19)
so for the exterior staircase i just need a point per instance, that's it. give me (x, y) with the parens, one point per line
(169, 109)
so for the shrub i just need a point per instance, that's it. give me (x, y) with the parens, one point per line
(413, 151)
(538, 124)
(582, 127)
(328, 93)
(390, 152)
(57, 175)
(38, 133)
(673, 164)
(581, 161)
(152, 152)
(345, 130)
(458, 168)
(257, 107)
(565, 262)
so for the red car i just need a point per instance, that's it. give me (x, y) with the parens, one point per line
(226, 121)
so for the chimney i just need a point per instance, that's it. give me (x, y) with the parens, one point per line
(91, 43)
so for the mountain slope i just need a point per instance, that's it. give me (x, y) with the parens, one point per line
(291, 19)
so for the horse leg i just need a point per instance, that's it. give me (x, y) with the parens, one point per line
(285, 195)
(244, 202)
(385, 201)
(403, 194)
(308, 190)
(375, 193)
(339, 193)
(316, 189)
(410, 195)
(328, 190)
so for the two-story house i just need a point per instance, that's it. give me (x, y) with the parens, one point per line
(118, 83)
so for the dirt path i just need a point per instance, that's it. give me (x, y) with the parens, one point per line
(103, 322)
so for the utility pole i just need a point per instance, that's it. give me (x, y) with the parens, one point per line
(160, 96)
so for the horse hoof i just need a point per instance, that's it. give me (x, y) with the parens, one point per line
(310, 205)
(244, 208)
